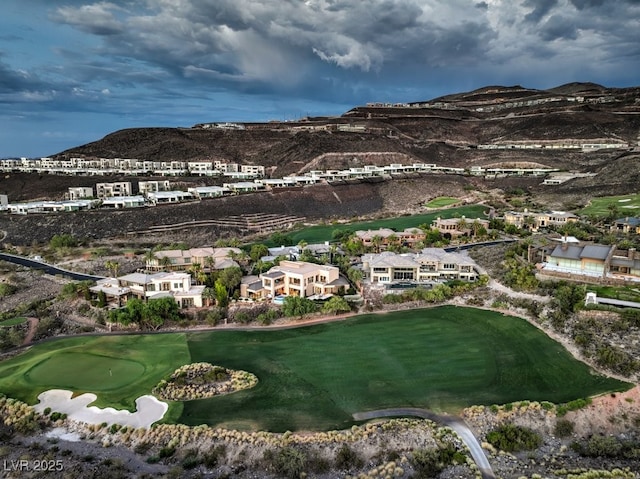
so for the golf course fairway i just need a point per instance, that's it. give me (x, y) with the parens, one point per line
(316, 377)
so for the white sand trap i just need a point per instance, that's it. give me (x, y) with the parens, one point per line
(624, 200)
(148, 409)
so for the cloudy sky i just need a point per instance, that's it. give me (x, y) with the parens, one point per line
(72, 71)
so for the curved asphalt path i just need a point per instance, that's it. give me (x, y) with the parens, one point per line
(458, 425)
(48, 268)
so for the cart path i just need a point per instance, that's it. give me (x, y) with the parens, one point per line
(33, 324)
(457, 424)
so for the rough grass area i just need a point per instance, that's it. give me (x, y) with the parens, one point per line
(316, 377)
(627, 205)
(441, 359)
(318, 234)
(441, 202)
(12, 322)
(118, 369)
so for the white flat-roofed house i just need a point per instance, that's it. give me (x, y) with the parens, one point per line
(243, 187)
(202, 168)
(271, 183)
(118, 202)
(203, 192)
(167, 197)
(80, 192)
(256, 170)
(109, 190)
(299, 278)
(151, 186)
(302, 180)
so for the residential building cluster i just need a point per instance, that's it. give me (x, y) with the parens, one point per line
(583, 145)
(132, 167)
(120, 194)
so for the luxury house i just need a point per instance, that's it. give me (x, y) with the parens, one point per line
(428, 266)
(151, 286)
(181, 260)
(299, 278)
(534, 221)
(452, 228)
(592, 263)
(384, 237)
(626, 225)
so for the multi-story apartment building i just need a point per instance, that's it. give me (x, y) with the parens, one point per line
(153, 186)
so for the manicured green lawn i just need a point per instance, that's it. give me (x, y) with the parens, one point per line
(118, 369)
(441, 202)
(12, 322)
(441, 359)
(316, 377)
(625, 293)
(627, 205)
(321, 233)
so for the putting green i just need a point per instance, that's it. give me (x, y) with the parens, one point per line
(84, 371)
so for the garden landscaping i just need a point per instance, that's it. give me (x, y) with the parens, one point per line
(316, 377)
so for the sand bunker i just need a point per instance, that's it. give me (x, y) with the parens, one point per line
(148, 409)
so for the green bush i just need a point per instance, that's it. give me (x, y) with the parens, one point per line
(512, 438)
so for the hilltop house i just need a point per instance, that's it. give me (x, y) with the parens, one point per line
(428, 266)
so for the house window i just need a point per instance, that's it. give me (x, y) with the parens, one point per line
(151, 287)
(379, 270)
(404, 274)
(449, 266)
(165, 286)
(177, 286)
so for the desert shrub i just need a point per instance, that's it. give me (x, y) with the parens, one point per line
(563, 428)
(512, 438)
(287, 461)
(212, 457)
(347, 458)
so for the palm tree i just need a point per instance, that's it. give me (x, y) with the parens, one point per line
(209, 294)
(112, 267)
(149, 258)
(210, 262)
(165, 262)
(376, 241)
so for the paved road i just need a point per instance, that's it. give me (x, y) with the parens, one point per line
(47, 268)
(458, 425)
